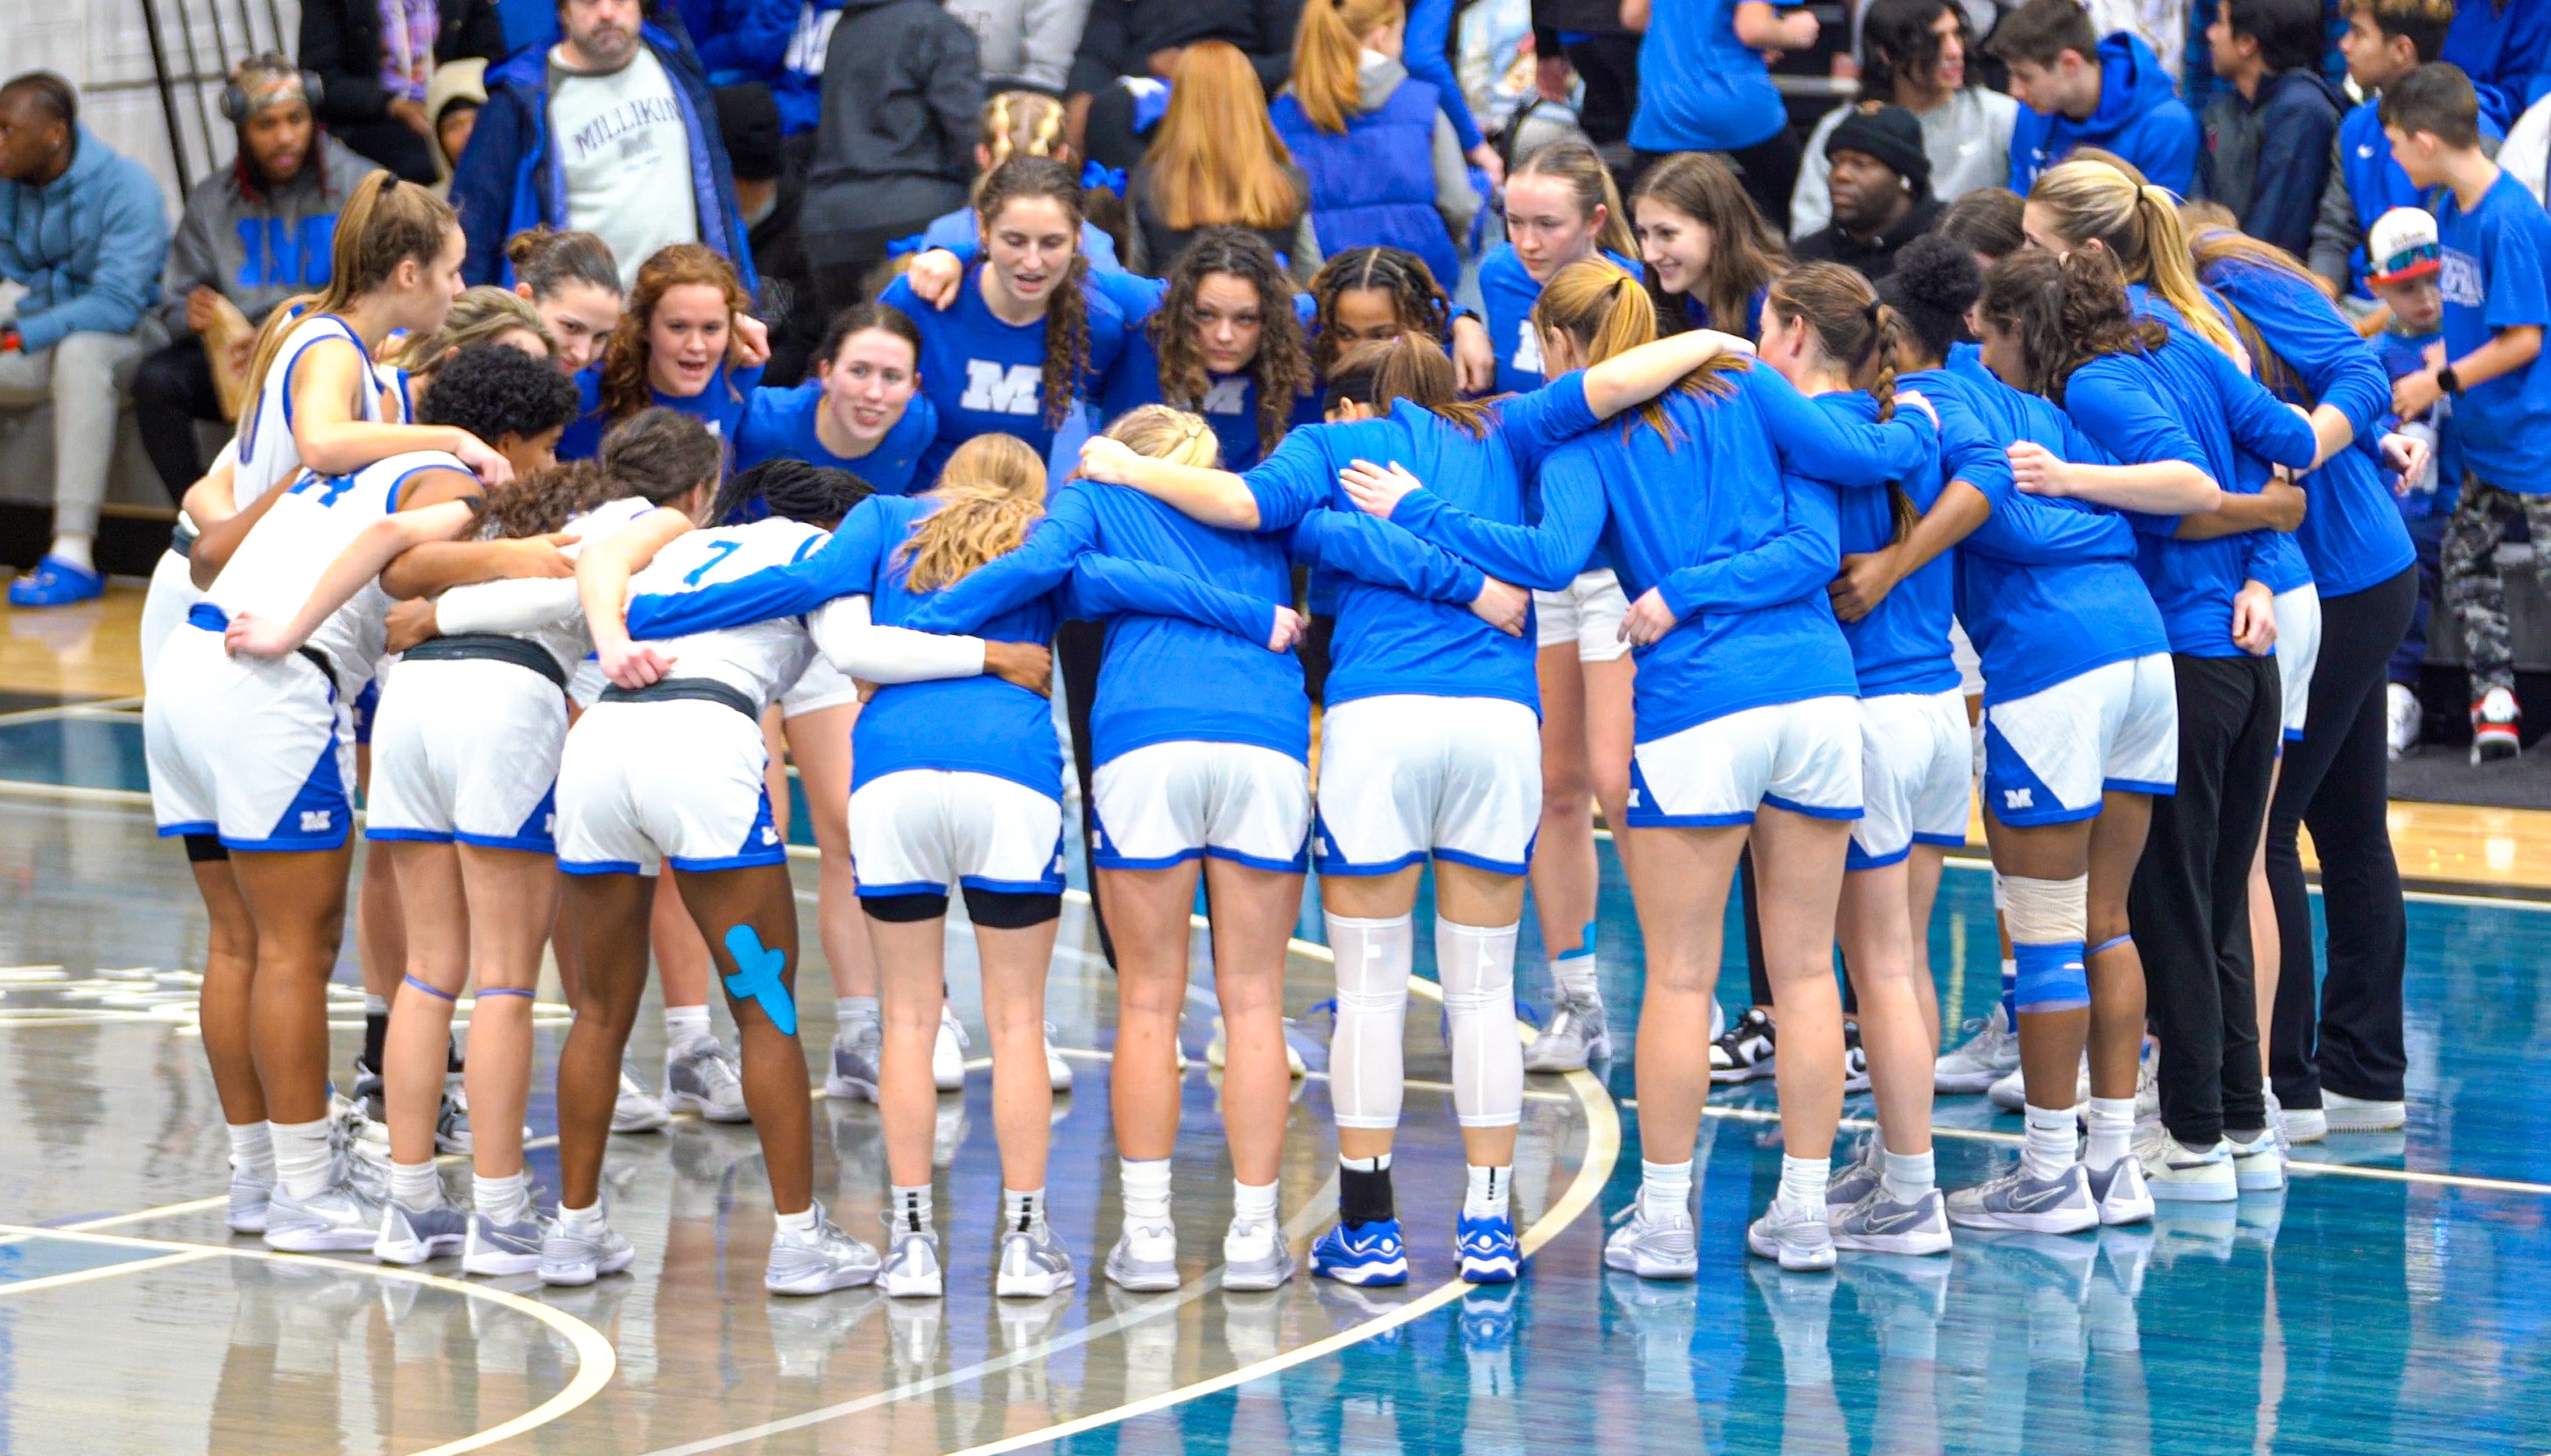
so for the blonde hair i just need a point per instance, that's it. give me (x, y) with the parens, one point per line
(1582, 169)
(991, 492)
(1216, 158)
(480, 315)
(383, 224)
(1163, 432)
(1861, 336)
(1328, 52)
(1607, 311)
(1021, 124)
(2105, 201)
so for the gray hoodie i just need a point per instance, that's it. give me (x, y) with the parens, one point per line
(1025, 43)
(292, 229)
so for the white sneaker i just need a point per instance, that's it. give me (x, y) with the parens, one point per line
(2304, 1124)
(1058, 1072)
(2118, 1191)
(1032, 1264)
(703, 1078)
(2408, 719)
(912, 1270)
(638, 1110)
(2174, 1172)
(1218, 1050)
(2496, 727)
(1987, 1056)
(1145, 1259)
(2257, 1165)
(1255, 1256)
(2357, 1114)
(1800, 1239)
(947, 1056)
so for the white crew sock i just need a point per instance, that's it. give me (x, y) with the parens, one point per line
(853, 1011)
(74, 547)
(910, 1206)
(252, 1150)
(301, 1157)
(583, 1219)
(1489, 1188)
(2113, 1131)
(1804, 1182)
(1664, 1189)
(415, 1187)
(1144, 1190)
(1253, 1203)
(1022, 1208)
(2051, 1148)
(684, 1026)
(797, 1228)
(1365, 1077)
(497, 1197)
(1908, 1176)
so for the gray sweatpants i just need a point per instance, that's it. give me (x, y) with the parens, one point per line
(84, 377)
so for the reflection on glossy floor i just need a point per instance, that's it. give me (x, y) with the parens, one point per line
(2390, 1302)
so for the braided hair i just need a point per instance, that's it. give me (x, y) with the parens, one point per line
(1067, 315)
(1417, 301)
(817, 494)
(1281, 367)
(1856, 331)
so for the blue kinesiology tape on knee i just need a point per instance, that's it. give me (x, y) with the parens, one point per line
(438, 994)
(758, 978)
(2052, 978)
(1584, 943)
(2111, 943)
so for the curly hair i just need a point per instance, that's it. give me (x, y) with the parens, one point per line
(625, 387)
(656, 454)
(991, 492)
(1067, 314)
(493, 390)
(794, 490)
(2067, 312)
(1417, 301)
(1934, 284)
(1281, 368)
(545, 499)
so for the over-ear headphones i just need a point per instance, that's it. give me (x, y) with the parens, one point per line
(237, 105)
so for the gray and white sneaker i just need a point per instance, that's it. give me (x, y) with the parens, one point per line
(1255, 1256)
(413, 1235)
(948, 1053)
(818, 1263)
(2304, 1124)
(1654, 1248)
(250, 1195)
(912, 1270)
(2017, 1199)
(1989, 1053)
(2257, 1162)
(2118, 1191)
(1800, 1239)
(2345, 1113)
(1857, 1179)
(1576, 1034)
(511, 1245)
(857, 1051)
(572, 1254)
(703, 1078)
(2174, 1172)
(338, 1219)
(638, 1110)
(1145, 1259)
(1033, 1263)
(1879, 1224)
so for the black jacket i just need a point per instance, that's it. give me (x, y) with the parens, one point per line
(903, 83)
(1120, 36)
(1875, 259)
(341, 40)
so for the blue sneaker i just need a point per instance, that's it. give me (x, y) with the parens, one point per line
(55, 583)
(1487, 1250)
(1364, 1254)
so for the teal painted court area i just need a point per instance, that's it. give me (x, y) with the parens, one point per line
(2394, 1300)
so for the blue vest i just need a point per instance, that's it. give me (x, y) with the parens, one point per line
(1374, 186)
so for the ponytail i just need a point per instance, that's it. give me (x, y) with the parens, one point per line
(1607, 311)
(1328, 54)
(991, 492)
(2102, 199)
(383, 224)
(1860, 332)
(1415, 368)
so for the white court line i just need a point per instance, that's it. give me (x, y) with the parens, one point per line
(595, 1361)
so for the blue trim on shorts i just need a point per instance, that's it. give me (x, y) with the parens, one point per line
(600, 867)
(2008, 771)
(1050, 885)
(1812, 810)
(409, 836)
(1854, 859)
(749, 859)
(193, 827)
(368, 708)
(867, 891)
(1947, 842)
(289, 844)
(2038, 818)
(1110, 860)
(2135, 786)
(2293, 735)
(1300, 862)
(1339, 866)
(1482, 862)
(1650, 819)
(533, 843)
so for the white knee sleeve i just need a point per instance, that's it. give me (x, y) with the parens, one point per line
(1476, 965)
(2046, 912)
(1366, 1079)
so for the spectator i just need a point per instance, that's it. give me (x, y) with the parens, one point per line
(1427, 46)
(1026, 44)
(1881, 192)
(901, 85)
(744, 42)
(2504, 47)
(1703, 88)
(459, 91)
(1384, 166)
(771, 192)
(2082, 91)
(2385, 39)
(84, 235)
(600, 132)
(2267, 132)
(1587, 38)
(1130, 48)
(2527, 152)
(572, 283)
(1914, 53)
(1019, 124)
(376, 59)
(2496, 276)
(2407, 257)
(2174, 29)
(251, 237)
(1706, 246)
(1217, 162)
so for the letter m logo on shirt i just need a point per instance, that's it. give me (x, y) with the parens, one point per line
(996, 389)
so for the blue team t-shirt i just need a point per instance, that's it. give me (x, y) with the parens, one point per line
(987, 377)
(780, 424)
(1508, 293)
(1903, 645)
(2495, 260)
(720, 407)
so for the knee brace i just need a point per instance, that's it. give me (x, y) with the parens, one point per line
(1477, 964)
(1366, 1080)
(2047, 919)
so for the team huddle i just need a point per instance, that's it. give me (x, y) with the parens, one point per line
(2023, 519)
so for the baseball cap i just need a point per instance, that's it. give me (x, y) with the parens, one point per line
(2401, 246)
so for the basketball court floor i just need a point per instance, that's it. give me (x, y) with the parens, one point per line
(2391, 1301)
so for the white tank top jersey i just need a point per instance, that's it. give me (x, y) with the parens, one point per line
(268, 455)
(284, 556)
(539, 610)
(763, 659)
